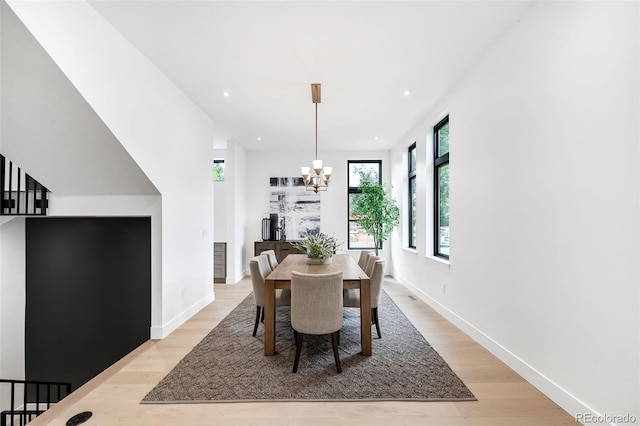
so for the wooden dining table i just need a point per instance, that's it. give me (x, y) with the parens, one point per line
(352, 276)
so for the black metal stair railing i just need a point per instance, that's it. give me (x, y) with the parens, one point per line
(20, 194)
(37, 397)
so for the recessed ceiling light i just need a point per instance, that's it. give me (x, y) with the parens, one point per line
(375, 138)
(407, 93)
(259, 138)
(225, 94)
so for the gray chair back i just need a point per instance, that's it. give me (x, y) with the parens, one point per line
(259, 267)
(362, 261)
(376, 278)
(371, 260)
(316, 302)
(273, 260)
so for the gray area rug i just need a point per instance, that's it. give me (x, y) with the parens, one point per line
(228, 364)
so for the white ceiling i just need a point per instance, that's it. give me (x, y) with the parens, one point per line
(266, 54)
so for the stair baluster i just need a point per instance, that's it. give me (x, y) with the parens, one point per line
(24, 414)
(16, 200)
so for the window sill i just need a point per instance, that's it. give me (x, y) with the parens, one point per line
(439, 260)
(410, 250)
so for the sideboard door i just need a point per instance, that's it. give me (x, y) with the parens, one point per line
(219, 262)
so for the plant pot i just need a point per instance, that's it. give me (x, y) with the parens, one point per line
(311, 261)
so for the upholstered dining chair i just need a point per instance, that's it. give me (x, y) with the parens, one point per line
(273, 260)
(376, 277)
(364, 256)
(316, 308)
(259, 267)
(371, 260)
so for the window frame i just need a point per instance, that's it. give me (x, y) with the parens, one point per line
(439, 161)
(219, 161)
(412, 191)
(357, 190)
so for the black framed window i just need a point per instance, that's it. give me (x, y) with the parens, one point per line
(413, 196)
(441, 228)
(358, 238)
(218, 170)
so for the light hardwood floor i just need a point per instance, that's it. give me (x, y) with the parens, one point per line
(504, 398)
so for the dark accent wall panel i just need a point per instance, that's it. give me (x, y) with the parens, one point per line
(88, 294)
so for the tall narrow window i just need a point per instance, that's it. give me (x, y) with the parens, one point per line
(218, 169)
(358, 238)
(413, 198)
(441, 188)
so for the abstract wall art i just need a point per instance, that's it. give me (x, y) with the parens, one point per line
(298, 209)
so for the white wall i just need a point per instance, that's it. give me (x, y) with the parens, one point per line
(12, 303)
(164, 132)
(262, 165)
(544, 204)
(46, 122)
(220, 202)
(235, 211)
(12, 298)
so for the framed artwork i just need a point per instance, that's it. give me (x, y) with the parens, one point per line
(298, 209)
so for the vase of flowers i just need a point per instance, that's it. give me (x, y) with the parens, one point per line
(319, 247)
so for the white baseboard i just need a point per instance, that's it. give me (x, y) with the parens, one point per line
(236, 279)
(556, 393)
(159, 333)
(233, 280)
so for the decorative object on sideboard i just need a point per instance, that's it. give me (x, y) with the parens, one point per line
(319, 247)
(266, 227)
(275, 223)
(270, 228)
(320, 181)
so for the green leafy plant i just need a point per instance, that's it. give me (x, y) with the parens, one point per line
(317, 246)
(218, 172)
(375, 211)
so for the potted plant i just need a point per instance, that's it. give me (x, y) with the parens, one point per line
(375, 211)
(319, 247)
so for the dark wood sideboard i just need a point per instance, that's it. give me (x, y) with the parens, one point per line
(282, 248)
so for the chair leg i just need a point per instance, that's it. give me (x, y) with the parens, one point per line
(262, 317)
(255, 327)
(298, 349)
(374, 315)
(334, 340)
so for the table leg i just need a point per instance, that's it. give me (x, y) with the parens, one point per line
(365, 316)
(270, 318)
